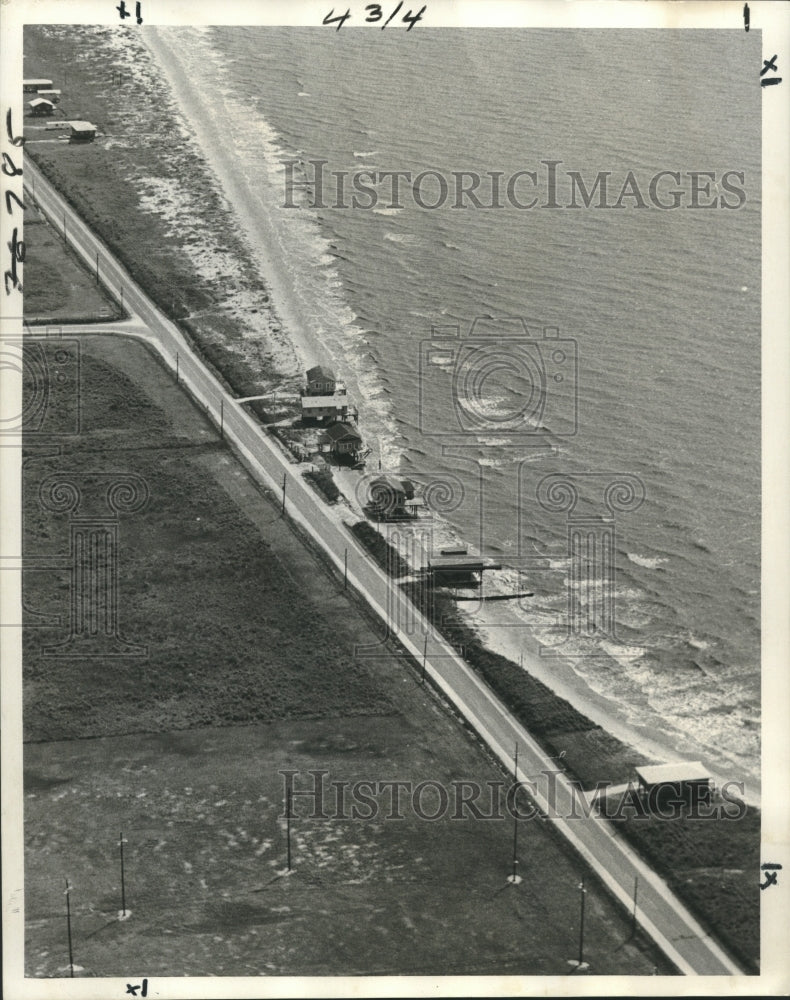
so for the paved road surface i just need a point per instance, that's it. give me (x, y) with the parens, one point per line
(660, 913)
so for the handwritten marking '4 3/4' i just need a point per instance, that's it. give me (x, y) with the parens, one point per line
(375, 14)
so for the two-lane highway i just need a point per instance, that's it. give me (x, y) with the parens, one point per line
(660, 913)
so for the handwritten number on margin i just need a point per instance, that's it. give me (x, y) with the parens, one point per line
(8, 196)
(340, 19)
(412, 19)
(10, 169)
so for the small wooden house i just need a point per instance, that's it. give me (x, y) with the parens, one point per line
(40, 106)
(82, 132)
(344, 441)
(389, 496)
(321, 381)
(51, 95)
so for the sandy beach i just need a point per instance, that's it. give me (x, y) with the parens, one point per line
(290, 340)
(286, 330)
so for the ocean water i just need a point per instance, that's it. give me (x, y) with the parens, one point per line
(661, 307)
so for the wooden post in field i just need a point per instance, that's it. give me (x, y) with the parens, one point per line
(68, 927)
(514, 878)
(288, 824)
(222, 418)
(345, 570)
(97, 267)
(282, 509)
(581, 924)
(121, 842)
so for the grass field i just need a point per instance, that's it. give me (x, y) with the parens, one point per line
(190, 556)
(250, 670)
(57, 288)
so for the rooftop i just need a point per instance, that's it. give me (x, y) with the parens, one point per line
(389, 481)
(671, 774)
(318, 402)
(342, 430)
(462, 563)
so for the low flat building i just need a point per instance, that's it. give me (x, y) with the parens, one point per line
(684, 781)
(327, 408)
(32, 86)
(82, 132)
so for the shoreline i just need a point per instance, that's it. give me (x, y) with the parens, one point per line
(558, 673)
(182, 96)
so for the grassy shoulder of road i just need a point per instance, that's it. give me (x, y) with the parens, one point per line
(249, 669)
(385, 554)
(323, 482)
(713, 865)
(57, 286)
(710, 863)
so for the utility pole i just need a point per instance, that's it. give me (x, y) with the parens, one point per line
(345, 570)
(633, 915)
(64, 227)
(97, 267)
(424, 656)
(121, 842)
(222, 418)
(582, 964)
(68, 926)
(514, 878)
(282, 509)
(288, 823)
(177, 375)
